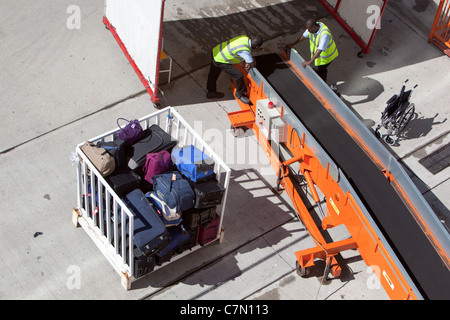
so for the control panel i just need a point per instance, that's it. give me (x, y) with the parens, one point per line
(269, 122)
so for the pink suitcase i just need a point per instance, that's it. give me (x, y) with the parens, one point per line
(209, 232)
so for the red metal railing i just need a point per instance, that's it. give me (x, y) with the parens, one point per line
(440, 32)
(354, 34)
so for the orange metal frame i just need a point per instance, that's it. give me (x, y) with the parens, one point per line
(440, 32)
(342, 209)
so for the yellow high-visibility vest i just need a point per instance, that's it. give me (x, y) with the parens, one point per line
(226, 51)
(325, 56)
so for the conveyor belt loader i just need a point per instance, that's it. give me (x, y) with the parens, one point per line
(300, 121)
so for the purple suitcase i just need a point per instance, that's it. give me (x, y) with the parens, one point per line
(209, 232)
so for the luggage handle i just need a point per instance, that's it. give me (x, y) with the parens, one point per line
(117, 121)
(93, 145)
(174, 178)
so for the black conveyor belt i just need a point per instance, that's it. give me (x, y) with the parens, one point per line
(415, 251)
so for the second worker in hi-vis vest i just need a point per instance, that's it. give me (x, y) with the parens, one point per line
(322, 46)
(224, 57)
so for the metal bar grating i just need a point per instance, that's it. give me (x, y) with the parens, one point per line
(438, 160)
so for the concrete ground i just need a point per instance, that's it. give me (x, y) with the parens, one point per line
(61, 85)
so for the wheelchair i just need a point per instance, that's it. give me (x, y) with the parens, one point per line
(396, 115)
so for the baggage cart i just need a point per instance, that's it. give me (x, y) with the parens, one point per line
(98, 203)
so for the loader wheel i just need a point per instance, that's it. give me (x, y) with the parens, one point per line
(324, 280)
(237, 131)
(158, 105)
(302, 272)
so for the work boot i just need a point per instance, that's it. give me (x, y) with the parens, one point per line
(214, 95)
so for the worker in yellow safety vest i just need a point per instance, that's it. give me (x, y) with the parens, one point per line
(224, 56)
(322, 46)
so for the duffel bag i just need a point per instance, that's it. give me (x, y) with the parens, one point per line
(100, 158)
(131, 133)
(193, 163)
(168, 216)
(156, 163)
(174, 190)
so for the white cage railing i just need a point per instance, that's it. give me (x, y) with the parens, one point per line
(105, 217)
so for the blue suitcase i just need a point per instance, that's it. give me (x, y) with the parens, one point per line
(179, 237)
(150, 234)
(193, 163)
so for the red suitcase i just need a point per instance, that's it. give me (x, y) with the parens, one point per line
(209, 232)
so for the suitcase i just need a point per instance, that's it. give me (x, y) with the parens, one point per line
(143, 265)
(150, 234)
(174, 190)
(198, 217)
(207, 193)
(193, 163)
(123, 181)
(168, 216)
(193, 232)
(178, 237)
(154, 140)
(209, 232)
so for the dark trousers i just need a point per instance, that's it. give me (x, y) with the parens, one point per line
(322, 71)
(214, 73)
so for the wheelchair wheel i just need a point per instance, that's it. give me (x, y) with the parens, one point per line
(404, 119)
(390, 140)
(378, 133)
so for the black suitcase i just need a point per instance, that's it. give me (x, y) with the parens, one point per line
(116, 148)
(150, 234)
(143, 265)
(123, 181)
(193, 232)
(154, 140)
(198, 217)
(207, 193)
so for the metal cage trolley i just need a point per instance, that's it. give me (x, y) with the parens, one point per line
(94, 193)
